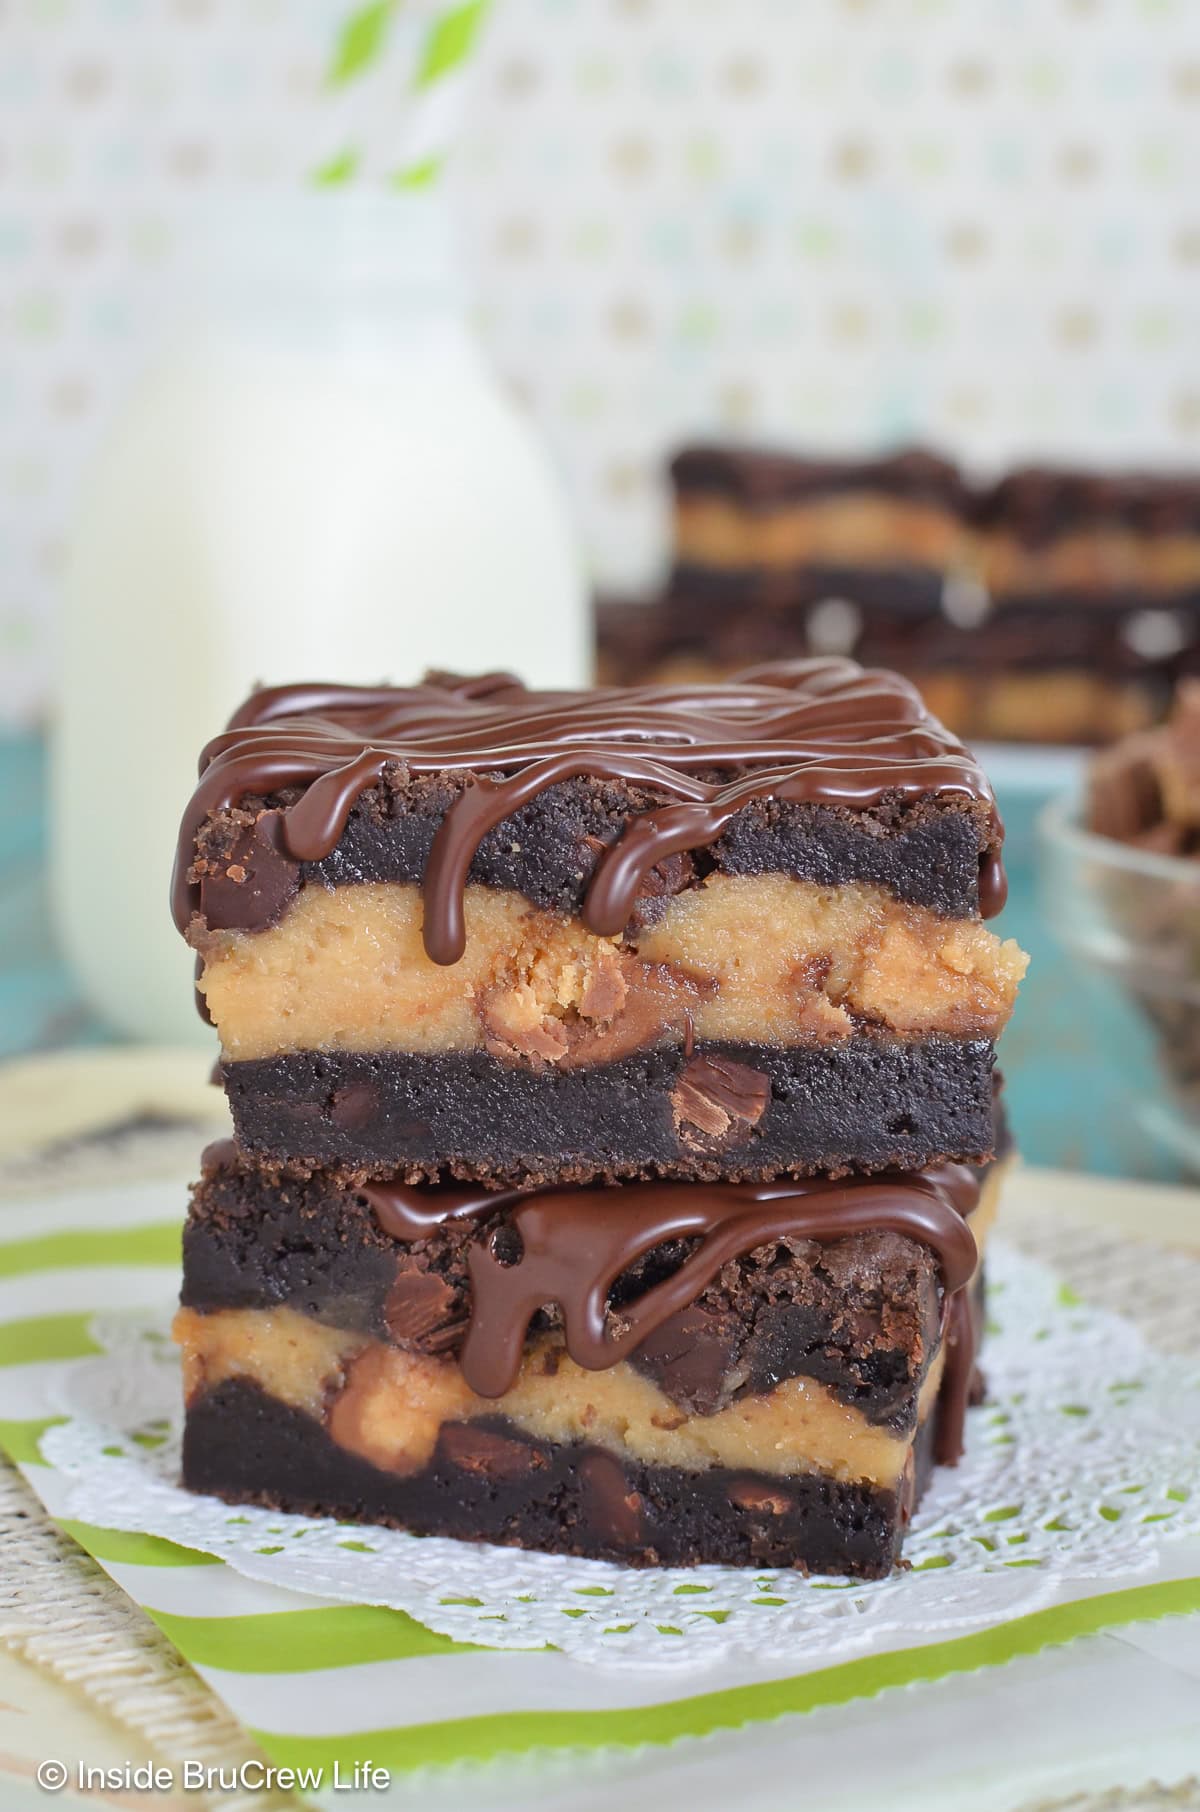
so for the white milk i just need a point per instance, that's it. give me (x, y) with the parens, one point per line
(317, 480)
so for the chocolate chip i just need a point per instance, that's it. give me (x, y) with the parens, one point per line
(253, 886)
(745, 1494)
(690, 1357)
(614, 1511)
(669, 877)
(354, 1107)
(717, 1101)
(422, 1310)
(488, 1455)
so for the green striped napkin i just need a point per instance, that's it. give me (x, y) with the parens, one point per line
(321, 1684)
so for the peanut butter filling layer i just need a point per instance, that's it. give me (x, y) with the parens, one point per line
(1095, 559)
(858, 528)
(389, 1406)
(760, 959)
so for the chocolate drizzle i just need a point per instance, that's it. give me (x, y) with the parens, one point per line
(812, 732)
(568, 1247)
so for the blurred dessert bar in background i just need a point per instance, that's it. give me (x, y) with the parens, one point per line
(899, 522)
(1053, 605)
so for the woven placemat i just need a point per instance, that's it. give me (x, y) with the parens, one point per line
(1184, 1797)
(63, 1614)
(59, 1610)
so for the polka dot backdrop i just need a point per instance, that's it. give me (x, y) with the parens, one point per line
(831, 224)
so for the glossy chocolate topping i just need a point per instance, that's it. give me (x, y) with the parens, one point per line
(815, 732)
(568, 1247)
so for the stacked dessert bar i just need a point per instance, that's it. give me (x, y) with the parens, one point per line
(1054, 605)
(612, 1085)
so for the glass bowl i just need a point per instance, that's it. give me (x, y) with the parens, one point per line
(1130, 919)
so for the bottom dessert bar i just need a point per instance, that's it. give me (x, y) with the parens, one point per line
(667, 1373)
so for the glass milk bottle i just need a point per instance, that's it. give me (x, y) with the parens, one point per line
(317, 478)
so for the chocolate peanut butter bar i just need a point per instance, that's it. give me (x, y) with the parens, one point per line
(756, 513)
(702, 932)
(1055, 604)
(649, 1372)
(1046, 531)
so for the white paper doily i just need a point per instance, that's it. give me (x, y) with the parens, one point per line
(1085, 1457)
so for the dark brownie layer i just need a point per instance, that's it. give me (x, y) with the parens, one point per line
(1115, 658)
(925, 851)
(1039, 503)
(758, 478)
(489, 1482)
(727, 619)
(907, 594)
(1036, 502)
(859, 1315)
(903, 591)
(869, 1103)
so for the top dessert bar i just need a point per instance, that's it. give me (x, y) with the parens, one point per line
(722, 932)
